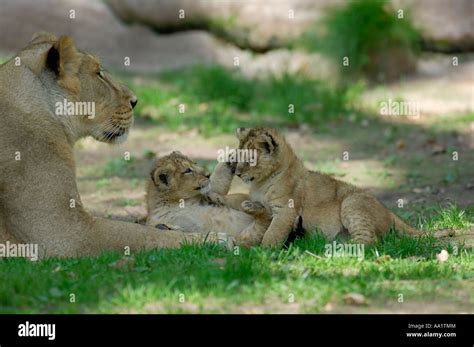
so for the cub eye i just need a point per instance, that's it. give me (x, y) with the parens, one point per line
(101, 74)
(188, 171)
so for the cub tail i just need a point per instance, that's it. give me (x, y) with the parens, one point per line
(405, 229)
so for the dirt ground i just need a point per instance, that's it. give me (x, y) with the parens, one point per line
(394, 157)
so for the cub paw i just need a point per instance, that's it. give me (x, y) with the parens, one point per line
(252, 207)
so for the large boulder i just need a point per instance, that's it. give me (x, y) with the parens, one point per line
(266, 24)
(444, 25)
(97, 30)
(257, 24)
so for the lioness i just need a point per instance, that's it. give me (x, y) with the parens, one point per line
(39, 201)
(280, 180)
(182, 194)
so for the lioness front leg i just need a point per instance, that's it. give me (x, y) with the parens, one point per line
(280, 227)
(116, 235)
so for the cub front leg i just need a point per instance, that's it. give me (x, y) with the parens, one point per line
(280, 227)
(221, 179)
(256, 209)
(253, 234)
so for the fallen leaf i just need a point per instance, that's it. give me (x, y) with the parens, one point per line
(355, 299)
(328, 307)
(438, 149)
(400, 144)
(203, 107)
(442, 256)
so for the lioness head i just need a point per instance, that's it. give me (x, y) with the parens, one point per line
(271, 150)
(175, 177)
(82, 95)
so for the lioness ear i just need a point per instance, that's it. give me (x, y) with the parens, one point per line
(268, 143)
(42, 36)
(64, 60)
(241, 133)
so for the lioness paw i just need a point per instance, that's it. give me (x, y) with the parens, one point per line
(222, 239)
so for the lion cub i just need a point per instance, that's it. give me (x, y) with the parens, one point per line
(280, 180)
(182, 194)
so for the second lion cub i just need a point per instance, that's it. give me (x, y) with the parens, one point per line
(175, 197)
(291, 191)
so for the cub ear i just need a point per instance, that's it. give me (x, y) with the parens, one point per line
(268, 143)
(42, 36)
(160, 177)
(241, 133)
(64, 60)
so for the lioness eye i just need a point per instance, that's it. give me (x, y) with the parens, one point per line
(188, 171)
(101, 74)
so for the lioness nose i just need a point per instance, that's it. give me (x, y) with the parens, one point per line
(134, 101)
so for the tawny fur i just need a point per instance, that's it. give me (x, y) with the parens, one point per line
(281, 181)
(36, 191)
(175, 197)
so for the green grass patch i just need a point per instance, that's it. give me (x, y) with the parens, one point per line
(362, 31)
(213, 98)
(208, 278)
(119, 167)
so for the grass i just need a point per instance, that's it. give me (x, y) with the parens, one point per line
(363, 31)
(213, 99)
(208, 278)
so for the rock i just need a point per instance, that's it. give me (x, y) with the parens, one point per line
(19, 19)
(258, 24)
(355, 299)
(444, 25)
(147, 51)
(262, 25)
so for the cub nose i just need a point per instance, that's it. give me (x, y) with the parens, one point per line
(134, 101)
